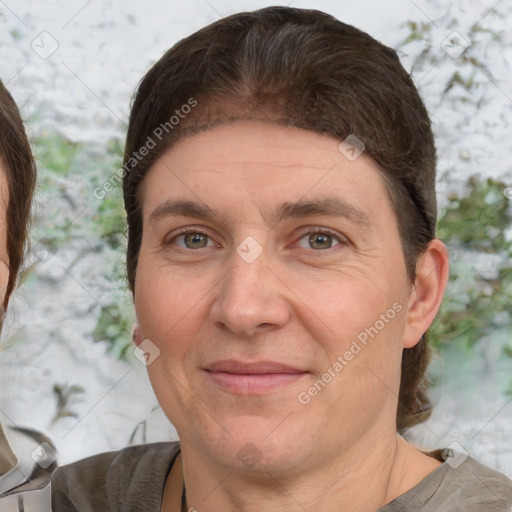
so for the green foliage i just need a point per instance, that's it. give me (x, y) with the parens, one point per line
(429, 57)
(110, 217)
(55, 156)
(65, 214)
(478, 221)
(457, 78)
(55, 152)
(476, 302)
(113, 326)
(116, 318)
(418, 31)
(110, 221)
(477, 224)
(16, 34)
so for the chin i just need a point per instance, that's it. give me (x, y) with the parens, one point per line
(259, 445)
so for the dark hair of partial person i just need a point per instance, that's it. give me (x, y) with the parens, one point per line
(17, 163)
(301, 68)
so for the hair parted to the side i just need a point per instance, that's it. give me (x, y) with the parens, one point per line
(17, 163)
(300, 68)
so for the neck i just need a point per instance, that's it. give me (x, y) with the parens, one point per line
(367, 477)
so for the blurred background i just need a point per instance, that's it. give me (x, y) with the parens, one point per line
(67, 365)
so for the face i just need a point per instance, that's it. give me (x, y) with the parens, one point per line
(4, 259)
(271, 279)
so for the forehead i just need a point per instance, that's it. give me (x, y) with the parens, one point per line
(266, 159)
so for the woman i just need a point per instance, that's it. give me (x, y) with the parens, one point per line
(21, 450)
(282, 257)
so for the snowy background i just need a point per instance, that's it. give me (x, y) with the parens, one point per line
(72, 67)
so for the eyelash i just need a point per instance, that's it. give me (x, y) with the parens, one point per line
(186, 231)
(324, 231)
(308, 231)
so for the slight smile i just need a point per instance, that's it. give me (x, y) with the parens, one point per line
(254, 378)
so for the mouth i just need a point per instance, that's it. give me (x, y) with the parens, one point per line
(253, 378)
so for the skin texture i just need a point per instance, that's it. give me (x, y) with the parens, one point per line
(4, 258)
(302, 302)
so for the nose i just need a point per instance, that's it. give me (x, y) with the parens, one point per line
(251, 298)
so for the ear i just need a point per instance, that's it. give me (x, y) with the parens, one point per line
(136, 337)
(427, 291)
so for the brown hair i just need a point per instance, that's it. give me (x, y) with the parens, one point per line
(300, 68)
(20, 171)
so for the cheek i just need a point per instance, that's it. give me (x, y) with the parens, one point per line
(168, 314)
(168, 305)
(365, 323)
(339, 307)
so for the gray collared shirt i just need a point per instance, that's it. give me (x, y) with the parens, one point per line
(133, 479)
(459, 484)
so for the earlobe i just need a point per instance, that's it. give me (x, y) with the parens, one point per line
(427, 292)
(136, 337)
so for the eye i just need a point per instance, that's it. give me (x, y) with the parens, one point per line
(319, 239)
(192, 239)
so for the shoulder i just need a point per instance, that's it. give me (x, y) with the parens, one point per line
(460, 483)
(480, 485)
(106, 481)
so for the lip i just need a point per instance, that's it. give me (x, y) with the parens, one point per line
(252, 378)
(251, 368)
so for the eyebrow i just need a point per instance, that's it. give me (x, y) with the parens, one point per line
(183, 209)
(328, 206)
